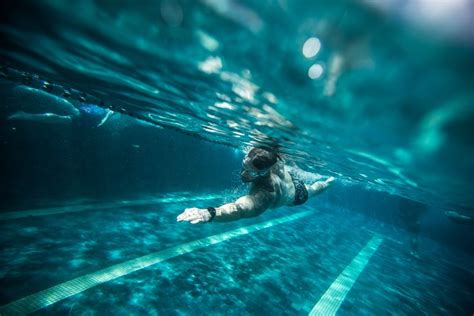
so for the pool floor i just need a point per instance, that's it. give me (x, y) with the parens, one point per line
(284, 267)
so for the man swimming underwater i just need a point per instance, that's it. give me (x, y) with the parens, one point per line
(272, 185)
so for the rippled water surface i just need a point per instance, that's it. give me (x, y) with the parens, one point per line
(338, 86)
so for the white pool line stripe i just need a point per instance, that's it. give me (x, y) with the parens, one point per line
(332, 299)
(75, 286)
(100, 206)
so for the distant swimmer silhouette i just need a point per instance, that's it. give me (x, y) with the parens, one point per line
(33, 104)
(272, 184)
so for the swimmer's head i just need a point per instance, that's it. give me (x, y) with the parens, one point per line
(257, 164)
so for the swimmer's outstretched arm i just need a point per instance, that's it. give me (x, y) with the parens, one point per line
(245, 207)
(318, 187)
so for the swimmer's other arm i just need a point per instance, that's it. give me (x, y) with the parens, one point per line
(318, 187)
(245, 207)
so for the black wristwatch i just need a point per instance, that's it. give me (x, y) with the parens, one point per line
(211, 211)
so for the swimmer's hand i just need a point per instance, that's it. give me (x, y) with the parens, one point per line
(329, 180)
(194, 215)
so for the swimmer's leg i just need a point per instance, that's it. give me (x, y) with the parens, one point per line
(50, 118)
(106, 117)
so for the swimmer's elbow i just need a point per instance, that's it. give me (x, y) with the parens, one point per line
(244, 207)
(252, 211)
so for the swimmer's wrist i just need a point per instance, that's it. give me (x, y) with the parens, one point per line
(212, 212)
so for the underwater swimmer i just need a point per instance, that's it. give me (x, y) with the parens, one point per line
(32, 104)
(272, 185)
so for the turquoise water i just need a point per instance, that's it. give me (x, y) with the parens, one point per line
(118, 115)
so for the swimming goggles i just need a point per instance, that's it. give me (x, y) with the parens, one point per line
(252, 171)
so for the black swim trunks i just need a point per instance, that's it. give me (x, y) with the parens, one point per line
(301, 193)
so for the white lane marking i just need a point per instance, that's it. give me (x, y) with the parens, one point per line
(64, 290)
(332, 299)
